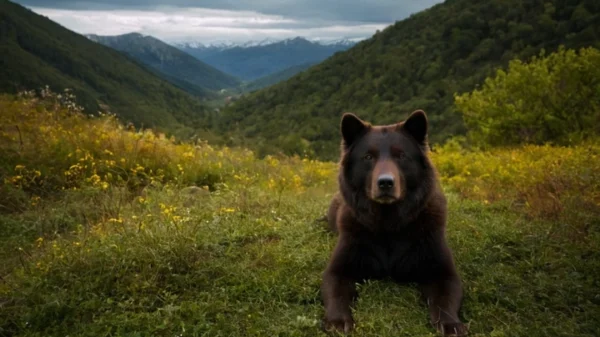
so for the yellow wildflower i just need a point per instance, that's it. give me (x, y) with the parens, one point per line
(94, 179)
(34, 200)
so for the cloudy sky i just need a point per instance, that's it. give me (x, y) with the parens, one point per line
(210, 21)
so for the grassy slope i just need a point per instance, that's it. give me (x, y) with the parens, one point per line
(246, 259)
(256, 272)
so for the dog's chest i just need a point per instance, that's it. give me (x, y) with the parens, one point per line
(401, 258)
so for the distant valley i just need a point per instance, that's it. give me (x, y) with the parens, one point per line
(213, 71)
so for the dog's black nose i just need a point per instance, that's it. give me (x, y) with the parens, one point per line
(385, 181)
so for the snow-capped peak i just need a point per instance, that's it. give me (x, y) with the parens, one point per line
(264, 42)
(200, 45)
(225, 44)
(343, 41)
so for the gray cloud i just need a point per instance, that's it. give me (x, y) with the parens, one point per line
(228, 20)
(381, 11)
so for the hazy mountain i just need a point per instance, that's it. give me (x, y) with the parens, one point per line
(168, 60)
(253, 60)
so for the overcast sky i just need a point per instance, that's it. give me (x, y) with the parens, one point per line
(209, 21)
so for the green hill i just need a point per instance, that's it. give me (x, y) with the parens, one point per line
(168, 60)
(35, 51)
(417, 63)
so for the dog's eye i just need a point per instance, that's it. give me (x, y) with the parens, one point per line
(398, 155)
(368, 157)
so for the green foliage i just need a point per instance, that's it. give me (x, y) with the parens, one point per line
(554, 98)
(35, 52)
(417, 63)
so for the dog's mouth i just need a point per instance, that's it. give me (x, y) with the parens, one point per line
(385, 199)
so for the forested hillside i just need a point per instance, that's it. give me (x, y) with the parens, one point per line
(35, 52)
(417, 63)
(168, 60)
(272, 79)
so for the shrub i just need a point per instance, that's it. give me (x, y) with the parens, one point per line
(554, 98)
(547, 181)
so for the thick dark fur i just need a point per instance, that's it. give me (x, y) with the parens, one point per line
(394, 230)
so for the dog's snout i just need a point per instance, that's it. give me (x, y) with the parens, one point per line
(385, 182)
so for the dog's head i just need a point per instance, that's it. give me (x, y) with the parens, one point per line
(385, 162)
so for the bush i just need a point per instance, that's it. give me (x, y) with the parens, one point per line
(554, 98)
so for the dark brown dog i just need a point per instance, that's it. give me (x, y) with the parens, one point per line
(390, 215)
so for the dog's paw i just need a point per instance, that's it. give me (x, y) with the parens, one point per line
(454, 329)
(338, 323)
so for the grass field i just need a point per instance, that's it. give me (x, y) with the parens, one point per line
(101, 235)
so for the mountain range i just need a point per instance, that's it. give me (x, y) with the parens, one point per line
(253, 60)
(222, 45)
(168, 60)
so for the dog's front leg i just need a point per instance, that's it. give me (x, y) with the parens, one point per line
(338, 288)
(338, 294)
(444, 300)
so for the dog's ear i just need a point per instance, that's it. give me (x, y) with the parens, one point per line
(416, 126)
(352, 128)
